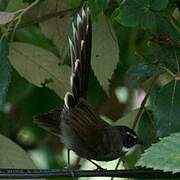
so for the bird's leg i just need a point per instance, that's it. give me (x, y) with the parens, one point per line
(69, 164)
(98, 167)
(68, 158)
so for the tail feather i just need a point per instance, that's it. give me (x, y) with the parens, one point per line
(80, 50)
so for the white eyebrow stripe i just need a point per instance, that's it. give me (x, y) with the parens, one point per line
(131, 135)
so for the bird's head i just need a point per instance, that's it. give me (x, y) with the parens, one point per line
(129, 137)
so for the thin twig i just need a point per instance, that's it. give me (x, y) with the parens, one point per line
(19, 17)
(140, 112)
(48, 16)
(44, 18)
(50, 173)
(166, 40)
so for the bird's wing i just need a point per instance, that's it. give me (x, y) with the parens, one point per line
(87, 125)
(49, 121)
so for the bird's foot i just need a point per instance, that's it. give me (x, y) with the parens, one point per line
(71, 170)
(99, 168)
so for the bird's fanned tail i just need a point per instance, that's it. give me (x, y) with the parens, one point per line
(80, 50)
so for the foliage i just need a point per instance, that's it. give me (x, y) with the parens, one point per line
(141, 13)
(136, 52)
(13, 156)
(5, 70)
(165, 109)
(45, 66)
(104, 46)
(167, 153)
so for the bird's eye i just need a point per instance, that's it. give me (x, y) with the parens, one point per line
(131, 140)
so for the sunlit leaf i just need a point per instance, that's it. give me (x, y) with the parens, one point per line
(163, 155)
(33, 35)
(56, 28)
(6, 17)
(13, 156)
(105, 52)
(40, 67)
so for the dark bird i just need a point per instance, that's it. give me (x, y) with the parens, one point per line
(80, 128)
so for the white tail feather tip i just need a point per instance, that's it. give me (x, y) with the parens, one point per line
(70, 42)
(79, 20)
(66, 99)
(83, 13)
(76, 64)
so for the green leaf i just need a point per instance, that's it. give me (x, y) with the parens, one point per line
(74, 3)
(97, 7)
(105, 51)
(165, 27)
(12, 156)
(158, 4)
(33, 35)
(163, 155)
(5, 70)
(146, 129)
(18, 84)
(141, 72)
(15, 5)
(165, 107)
(140, 13)
(40, 67)
(128, 119)
(165, 57)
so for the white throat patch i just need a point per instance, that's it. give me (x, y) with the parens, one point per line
(125, 149)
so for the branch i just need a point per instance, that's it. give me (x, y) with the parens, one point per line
(44, 18)
(38, 20)
(50, 173)
(165, 39)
